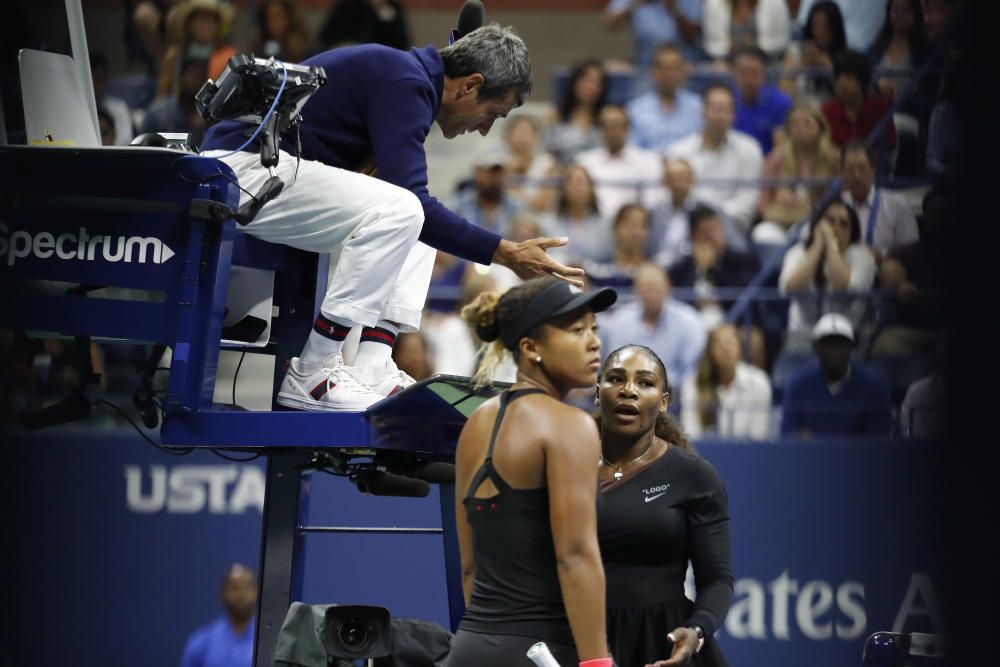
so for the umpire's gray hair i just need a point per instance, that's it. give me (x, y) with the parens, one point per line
(498, 54)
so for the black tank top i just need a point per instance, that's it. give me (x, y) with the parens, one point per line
(516, 589)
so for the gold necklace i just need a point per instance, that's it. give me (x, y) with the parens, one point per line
(618, 474)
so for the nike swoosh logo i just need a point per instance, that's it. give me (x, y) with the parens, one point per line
(652, 498)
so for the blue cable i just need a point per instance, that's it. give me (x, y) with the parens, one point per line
(253, 136)
(267, 116)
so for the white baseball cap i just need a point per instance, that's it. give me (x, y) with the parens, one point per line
(833, 324)
(491, 155)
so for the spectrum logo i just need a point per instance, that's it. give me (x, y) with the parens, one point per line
(82, 247)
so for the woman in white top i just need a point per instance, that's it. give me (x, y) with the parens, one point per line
(832, 259)
(727, 397)
(529, 172)
(727, 24)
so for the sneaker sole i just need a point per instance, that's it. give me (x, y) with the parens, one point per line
(299, 403)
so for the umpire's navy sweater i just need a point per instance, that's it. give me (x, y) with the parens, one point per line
(378, 103)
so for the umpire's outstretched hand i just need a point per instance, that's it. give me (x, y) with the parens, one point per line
(529, 259)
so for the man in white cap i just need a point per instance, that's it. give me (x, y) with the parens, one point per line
(835, 395)
(488, 203)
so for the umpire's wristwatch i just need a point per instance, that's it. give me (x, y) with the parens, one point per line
(701, 636)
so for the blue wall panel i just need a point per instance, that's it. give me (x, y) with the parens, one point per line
(120, 548)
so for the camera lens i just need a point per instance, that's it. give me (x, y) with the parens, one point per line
(353, 634)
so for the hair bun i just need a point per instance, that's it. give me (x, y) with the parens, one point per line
(481, 314)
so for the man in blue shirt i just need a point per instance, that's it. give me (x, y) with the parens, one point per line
(228, 640)
(487, 203)
(669, 327)
(761, 107)
(668, 112)
(371, 118)
(835, 395)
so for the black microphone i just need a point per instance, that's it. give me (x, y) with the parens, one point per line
(148, 411)
(471, 18)
(378, 483)
(435, 472)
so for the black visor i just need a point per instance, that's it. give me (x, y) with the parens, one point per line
(559, 299)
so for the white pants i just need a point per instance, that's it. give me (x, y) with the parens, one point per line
(378, 269)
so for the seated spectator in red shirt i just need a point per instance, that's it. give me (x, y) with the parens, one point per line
(854, 112)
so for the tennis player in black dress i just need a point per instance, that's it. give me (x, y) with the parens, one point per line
(526, 486)
(661, 506)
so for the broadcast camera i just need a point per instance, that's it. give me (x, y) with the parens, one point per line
(357, 632)
(267, 93)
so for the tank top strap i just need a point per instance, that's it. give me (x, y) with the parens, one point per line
(505, 399)
(487, 470)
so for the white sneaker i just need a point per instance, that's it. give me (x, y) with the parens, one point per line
(332, 387)
(392, 382)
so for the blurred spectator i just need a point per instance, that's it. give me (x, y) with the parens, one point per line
(854, 112)
(824, 38)
(921, 414)
(574, 127)
(887, 221)
(107, 126)
(808, 156)
(726, 157)
(177, 113)
(451, 343)
(728, 24)
(657, 22)
(488, 204)
(446, 279)
(578, 218)
(915, 275)
(668, 112)
(902, 46)
(761, 107)
(36, 372)
(669, 327)
(522, 227)
(727, 397)
(531, 173)
(711, 264)
(150, 21)
(943, 128)
(861, 19)
(364, 22)
(670, 229)
(833, 258)
(411, 355)
(117, 109)
(670, 232)
(834, 395)
(622, 173)
(279, 32)
(227, 641)
(196, 31)
(630, 232)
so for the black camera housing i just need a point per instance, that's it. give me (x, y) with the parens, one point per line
(357, 632)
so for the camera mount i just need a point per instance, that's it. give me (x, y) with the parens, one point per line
(267, 93)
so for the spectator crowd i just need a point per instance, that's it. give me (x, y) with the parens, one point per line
(770, 195)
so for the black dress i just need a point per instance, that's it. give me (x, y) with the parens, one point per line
(650, 524)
